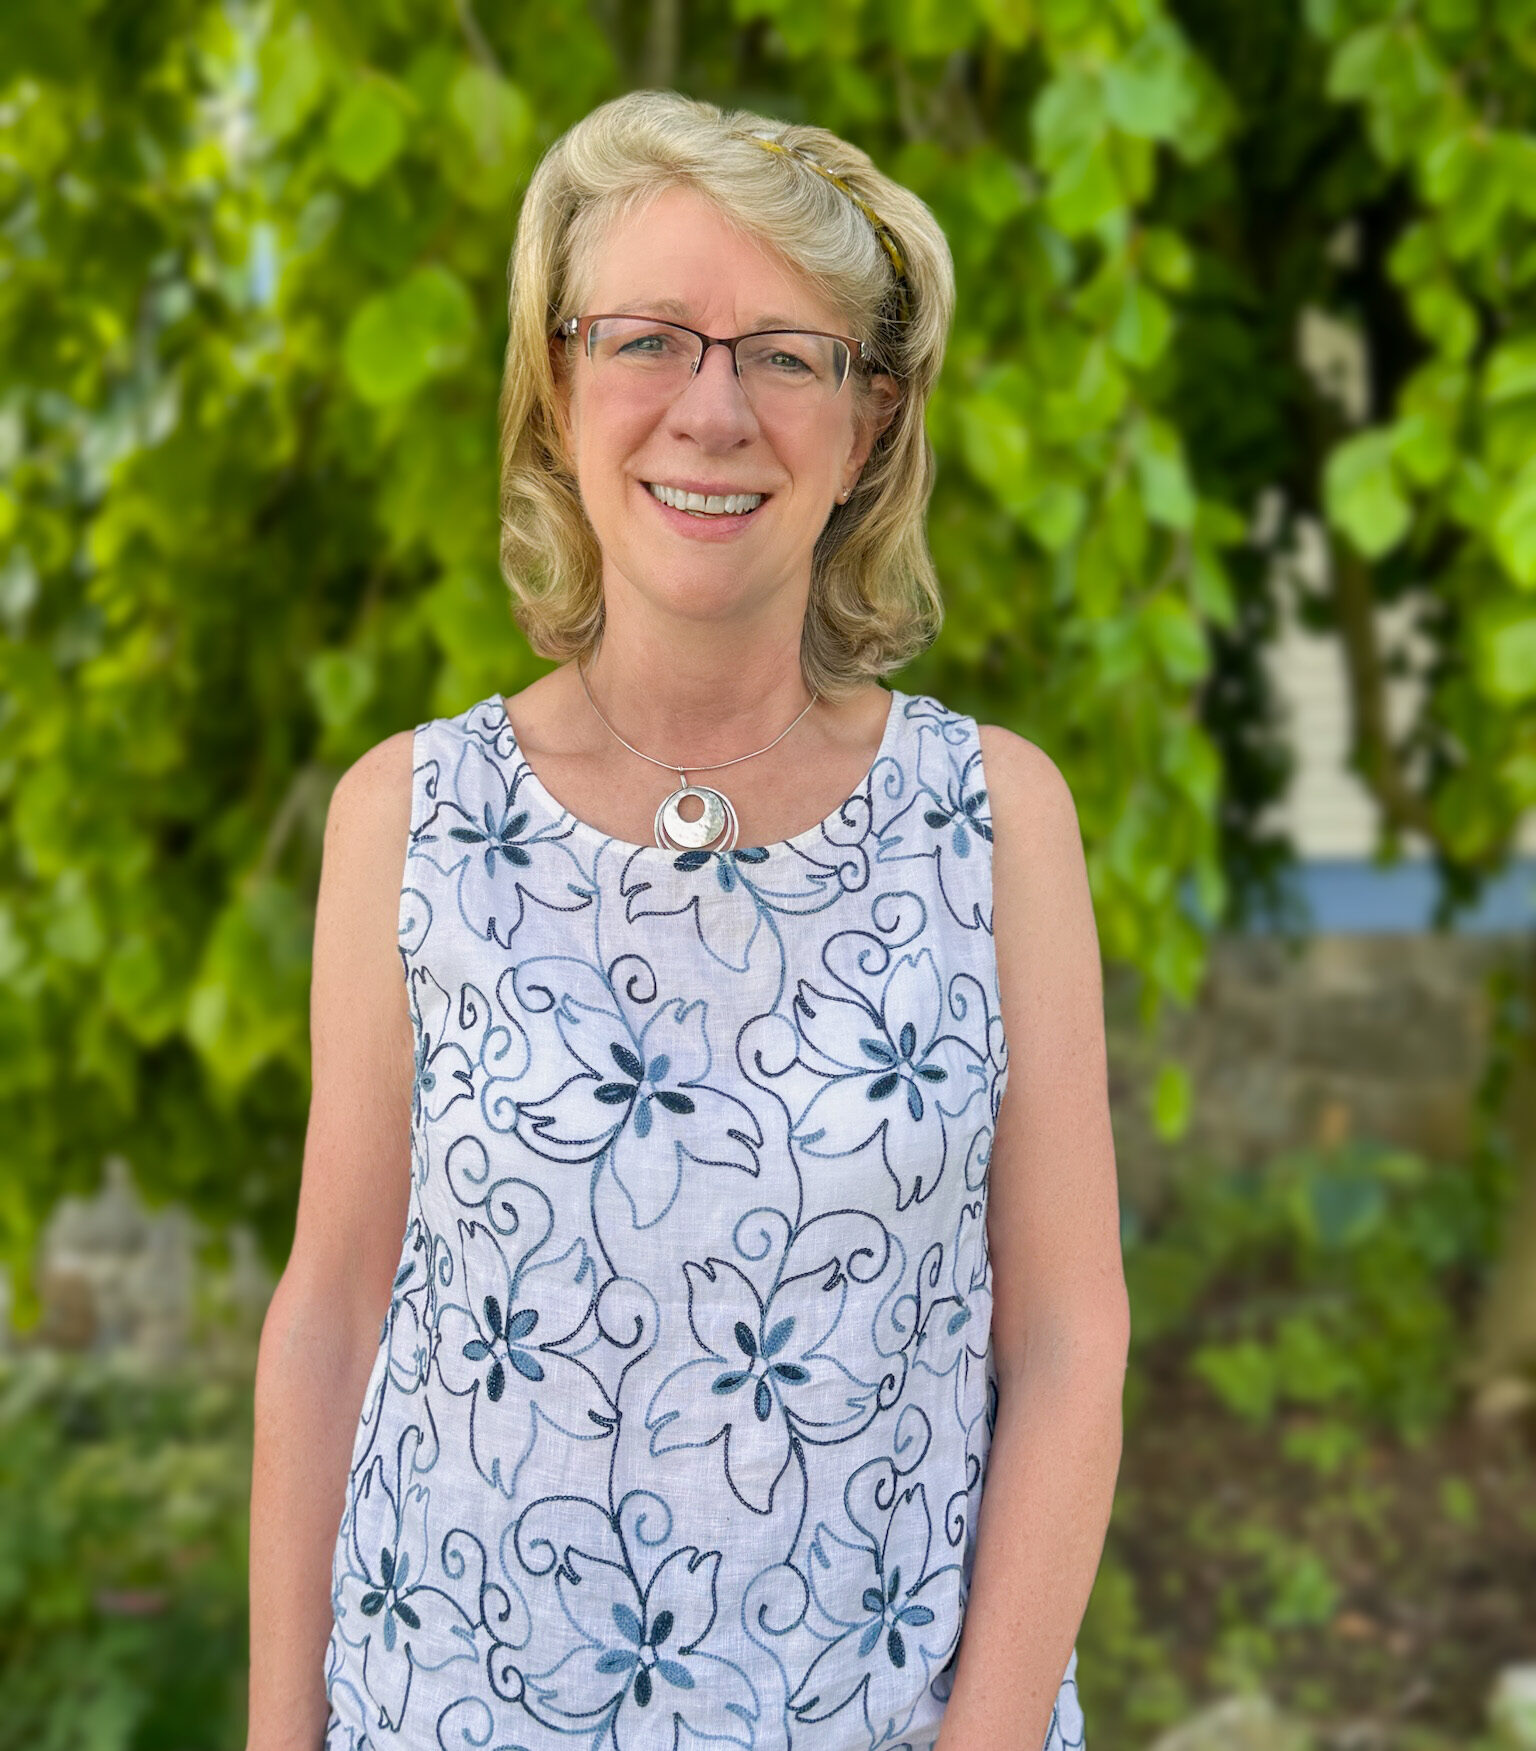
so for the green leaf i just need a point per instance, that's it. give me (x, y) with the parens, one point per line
(1361, 493)
(1069, 117)
(995, 186)
(1425, 446)
(1165, 257)
(341, 683)
(1054, 513)
(1242, 1375)
(1011, 22)
(1355, 66)
(1210, 589)
(1344, 1206)
(995, 443)
(1514, 526)
(1176, 637)
(1172, 1097)
(1191, 761)
(1084, 190)
(1445, 319)
(1511, 369)
(400, 337)
(1146, 91)
(488, 150)
(1504, 647)
(290, 80)
(1165, 485)
(1143, 325)
(366, 133)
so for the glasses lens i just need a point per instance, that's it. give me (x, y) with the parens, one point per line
(642, 356)
(642, 350)
(791, 366)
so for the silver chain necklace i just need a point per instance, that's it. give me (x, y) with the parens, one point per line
(718, 821)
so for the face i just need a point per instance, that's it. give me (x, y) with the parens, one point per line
(678, 258)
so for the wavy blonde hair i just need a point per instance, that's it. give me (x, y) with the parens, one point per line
(874, 598)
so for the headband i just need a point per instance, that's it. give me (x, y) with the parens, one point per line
(882, 231)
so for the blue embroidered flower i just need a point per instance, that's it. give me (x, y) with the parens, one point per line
(768, 1374)
(443, 1071)
(383, 1603)
(954, 1330)
(889, 1073)
(643, 1097)
(967, 819)
(642, 1673)
(484, 835)
(487, 1348)
(899, 1620)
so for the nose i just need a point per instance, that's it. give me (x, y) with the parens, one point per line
(713, 407)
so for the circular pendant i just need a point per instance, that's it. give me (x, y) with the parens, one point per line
(674, 833)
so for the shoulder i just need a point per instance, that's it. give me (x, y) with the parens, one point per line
(368, 819)
(375, 788)
(1042, 918)
(1031, 805)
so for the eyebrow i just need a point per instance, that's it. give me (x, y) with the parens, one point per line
(674, 307)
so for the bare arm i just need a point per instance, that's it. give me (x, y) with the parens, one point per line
(1060, 1317)
(322, 1328)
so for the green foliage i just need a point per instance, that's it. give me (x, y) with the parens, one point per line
(1330, 1282)
(251, 322)
(1442, 478)
(122, 1557)
(1294, 1327)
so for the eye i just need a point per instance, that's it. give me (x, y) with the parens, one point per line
(783, 360)
(653, 345)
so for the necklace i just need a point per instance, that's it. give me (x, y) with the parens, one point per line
(718, 821)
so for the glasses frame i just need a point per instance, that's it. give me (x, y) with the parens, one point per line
(579, 328)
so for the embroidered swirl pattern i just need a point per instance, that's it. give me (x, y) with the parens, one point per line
(681, 1409)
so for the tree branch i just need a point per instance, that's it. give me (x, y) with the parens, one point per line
(1372, 753)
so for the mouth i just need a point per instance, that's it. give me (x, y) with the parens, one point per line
(737, 506)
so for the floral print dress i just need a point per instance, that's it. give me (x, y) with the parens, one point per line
(679, 1420)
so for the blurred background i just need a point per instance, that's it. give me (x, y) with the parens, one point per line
(1236, 516)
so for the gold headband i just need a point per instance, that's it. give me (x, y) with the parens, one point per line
(882, 231)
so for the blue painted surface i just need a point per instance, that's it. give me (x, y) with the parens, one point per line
(1355, 895)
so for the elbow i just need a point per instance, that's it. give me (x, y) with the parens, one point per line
(1085, 1350)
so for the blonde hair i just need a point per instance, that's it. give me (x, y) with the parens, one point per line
(874, 598)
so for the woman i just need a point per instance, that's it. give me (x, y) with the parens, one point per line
(728, 1274)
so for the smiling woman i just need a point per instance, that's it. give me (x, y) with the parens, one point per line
(691, 1271)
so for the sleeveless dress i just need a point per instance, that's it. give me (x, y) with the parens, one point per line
(680, 1414)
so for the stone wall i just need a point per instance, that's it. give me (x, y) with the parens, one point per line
(1378, 1036)
(115, 1276)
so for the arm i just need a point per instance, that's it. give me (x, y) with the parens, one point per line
(321, 1331)
(1060, 1317)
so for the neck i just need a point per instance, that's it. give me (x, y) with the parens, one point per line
(694, 691)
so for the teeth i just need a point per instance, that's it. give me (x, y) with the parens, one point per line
(731, 504)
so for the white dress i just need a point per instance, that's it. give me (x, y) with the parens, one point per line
(678, 1425)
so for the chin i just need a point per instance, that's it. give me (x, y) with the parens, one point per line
(706, 587)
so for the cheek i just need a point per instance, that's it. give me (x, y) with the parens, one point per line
(604, 442)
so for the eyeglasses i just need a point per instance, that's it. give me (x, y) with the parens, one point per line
(778, 369)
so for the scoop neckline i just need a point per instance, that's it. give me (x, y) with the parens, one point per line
(585, 829)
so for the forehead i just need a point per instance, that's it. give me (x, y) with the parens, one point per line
(678, 255)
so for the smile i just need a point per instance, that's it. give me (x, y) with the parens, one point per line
(712, 505)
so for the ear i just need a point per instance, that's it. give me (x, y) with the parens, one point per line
(881, 404)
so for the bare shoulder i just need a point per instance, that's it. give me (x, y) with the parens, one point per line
(367, 826)
(355, 1180)
(1034, 817)
(1043, 922)
(373, 795)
